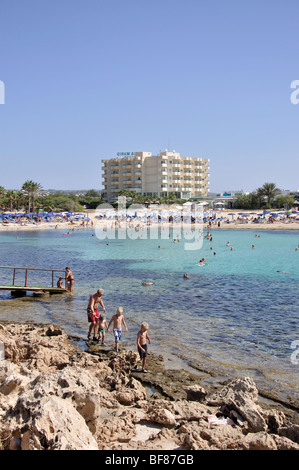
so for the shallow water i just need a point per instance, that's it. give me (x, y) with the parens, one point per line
(235, 313)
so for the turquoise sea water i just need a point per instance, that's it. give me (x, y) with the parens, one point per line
(236, 313)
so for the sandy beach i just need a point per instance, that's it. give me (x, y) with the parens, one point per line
(222, 220)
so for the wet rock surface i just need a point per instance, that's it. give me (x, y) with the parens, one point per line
(54, 396)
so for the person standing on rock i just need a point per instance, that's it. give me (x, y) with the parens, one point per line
(93, 313)
(118, 320)
(142, 336)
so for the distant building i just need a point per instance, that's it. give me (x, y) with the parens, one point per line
(227, 199)
(156, 175)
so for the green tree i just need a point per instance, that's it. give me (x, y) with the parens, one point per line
(19, 200)
(32, 190)
(92, 193)
(269, 190)
(129, 194)
(2, 193)
(10, 197)
(286, 201)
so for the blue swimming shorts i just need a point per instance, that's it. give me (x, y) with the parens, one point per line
(117, 334)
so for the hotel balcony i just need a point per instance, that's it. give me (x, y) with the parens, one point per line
(125, 182)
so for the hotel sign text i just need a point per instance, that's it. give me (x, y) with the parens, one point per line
(126, 154)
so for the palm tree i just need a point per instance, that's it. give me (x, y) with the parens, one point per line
(129, 194)
(269, 190)
(32, 189)
(260, 197)
(10, 197)
(171, 197)
(2, 193)
(19, 200)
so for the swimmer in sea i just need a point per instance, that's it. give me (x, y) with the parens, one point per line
(147, 283)
(186, 276)
(282, 272)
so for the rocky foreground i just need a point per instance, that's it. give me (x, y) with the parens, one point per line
(54, 396)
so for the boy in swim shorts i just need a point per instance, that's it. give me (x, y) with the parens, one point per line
(102, 328)
(142, 336)
(118, 320)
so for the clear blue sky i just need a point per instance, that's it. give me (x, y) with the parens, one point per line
(85, 79)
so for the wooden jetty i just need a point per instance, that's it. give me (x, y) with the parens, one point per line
(17, 290)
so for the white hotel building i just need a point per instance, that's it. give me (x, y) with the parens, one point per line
(155, 175)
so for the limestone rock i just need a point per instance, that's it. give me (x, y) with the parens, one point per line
(54, 396)
(195, 393)
(241, 395)
(290, 431)
(160, 413)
